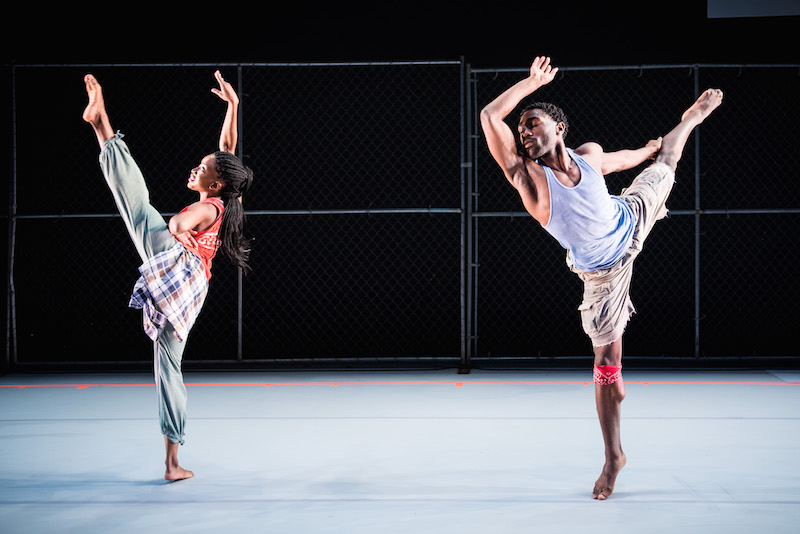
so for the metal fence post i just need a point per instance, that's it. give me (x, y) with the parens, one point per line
(239, 274)
(466, 223)
(697, 208)
(11, 321)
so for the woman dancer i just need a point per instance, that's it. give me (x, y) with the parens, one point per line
(177, 255)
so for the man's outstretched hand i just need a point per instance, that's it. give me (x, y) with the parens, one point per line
(541, 70)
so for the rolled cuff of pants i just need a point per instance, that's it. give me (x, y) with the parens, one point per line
(170, 389)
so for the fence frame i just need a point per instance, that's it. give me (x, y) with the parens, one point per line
(697, 213)
(468, 211)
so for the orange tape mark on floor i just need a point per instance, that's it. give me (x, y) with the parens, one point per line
(401, 383)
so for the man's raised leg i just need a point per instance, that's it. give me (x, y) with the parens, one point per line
(673, 143)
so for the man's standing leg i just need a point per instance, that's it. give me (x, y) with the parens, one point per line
(609, 391)
(609, 386)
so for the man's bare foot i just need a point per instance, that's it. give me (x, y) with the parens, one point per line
(704, 105)
(95, 112)
(674, 142)
(604, 486)
(177, 473)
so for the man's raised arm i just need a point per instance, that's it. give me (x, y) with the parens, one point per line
(623, 160)
(499, 137)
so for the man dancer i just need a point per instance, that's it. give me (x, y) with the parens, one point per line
(565, 191)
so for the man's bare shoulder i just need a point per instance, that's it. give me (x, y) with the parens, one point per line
(593, 154)
(589, 149)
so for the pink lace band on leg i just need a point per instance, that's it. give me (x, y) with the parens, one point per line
(607, 374)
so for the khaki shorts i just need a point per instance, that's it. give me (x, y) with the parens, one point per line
(607, 306)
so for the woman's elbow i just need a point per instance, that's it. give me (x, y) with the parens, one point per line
(173, 225)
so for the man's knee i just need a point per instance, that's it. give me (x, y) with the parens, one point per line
(609, 355)
(605, 375)
(608, 383)
(670, 158)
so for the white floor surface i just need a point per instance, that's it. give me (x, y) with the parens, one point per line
(415, 452)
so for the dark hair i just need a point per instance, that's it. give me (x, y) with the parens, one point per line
(555, 113)
(238, 178)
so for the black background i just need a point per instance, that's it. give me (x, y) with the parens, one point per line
(487, 34)
(603, 34)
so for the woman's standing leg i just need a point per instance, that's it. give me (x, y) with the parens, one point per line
(150, 235)
(171, 399)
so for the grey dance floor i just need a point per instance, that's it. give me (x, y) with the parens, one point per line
(401, 452)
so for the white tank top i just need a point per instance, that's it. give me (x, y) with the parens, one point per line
(593, 225)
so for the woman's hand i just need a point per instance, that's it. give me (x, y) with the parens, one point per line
(192, 220)
(225, 91)
(187, 239)
(229, 136)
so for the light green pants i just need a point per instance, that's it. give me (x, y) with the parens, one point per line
(150, 234)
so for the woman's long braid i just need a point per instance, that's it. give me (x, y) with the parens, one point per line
(237, 178)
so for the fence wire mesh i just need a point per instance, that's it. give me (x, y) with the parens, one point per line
(383, 231)
(715, 282)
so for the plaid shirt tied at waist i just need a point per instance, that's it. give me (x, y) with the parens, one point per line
(172, 287)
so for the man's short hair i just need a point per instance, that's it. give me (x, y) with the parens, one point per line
(553, 111)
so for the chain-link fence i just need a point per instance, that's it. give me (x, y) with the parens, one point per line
(355, 213)
(715, 283)
(384, 234)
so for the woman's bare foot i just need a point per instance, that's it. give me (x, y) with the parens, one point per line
(604, 486)
(704, 105)
(177, 473)
(174, 471)
(95, 112)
